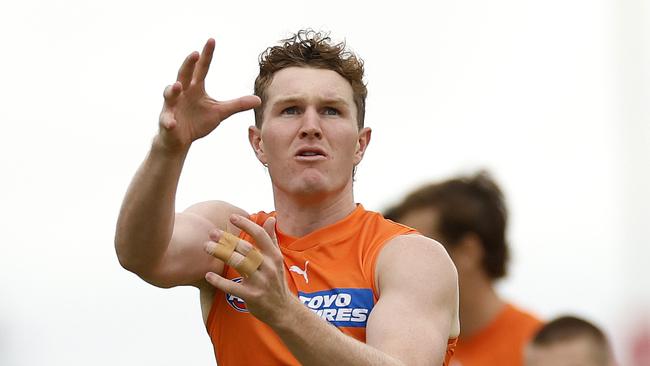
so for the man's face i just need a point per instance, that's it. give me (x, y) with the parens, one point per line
(309, 136)
(574, 352)
(424, 220)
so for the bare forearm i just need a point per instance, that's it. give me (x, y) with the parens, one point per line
(315, 342)
(146, 220)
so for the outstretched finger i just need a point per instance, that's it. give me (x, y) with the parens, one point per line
(258, 233)
(202, 67)
(269, 227)
(226, 285)
(187, 69)
(230, 107)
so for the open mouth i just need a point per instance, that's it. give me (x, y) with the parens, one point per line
(311, 153)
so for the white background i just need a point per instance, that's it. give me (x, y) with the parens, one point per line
(550, 96)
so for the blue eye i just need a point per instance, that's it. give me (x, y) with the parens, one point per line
(331, 111)
(290, 110)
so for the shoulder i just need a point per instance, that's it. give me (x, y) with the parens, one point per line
(417, 268)
(212, 208)
(413, 256)
(216, 212)
(414, 249)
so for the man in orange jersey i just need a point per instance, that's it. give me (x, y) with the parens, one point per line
(569, 341)
(468, 216)
(320, 280)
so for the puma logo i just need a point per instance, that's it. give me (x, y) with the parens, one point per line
(300, 271)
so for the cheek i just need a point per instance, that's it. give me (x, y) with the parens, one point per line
(272, 143)
(349, 141)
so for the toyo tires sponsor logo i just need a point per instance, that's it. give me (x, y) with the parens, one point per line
(342, 307)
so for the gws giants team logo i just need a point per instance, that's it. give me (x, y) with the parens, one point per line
(236, 303)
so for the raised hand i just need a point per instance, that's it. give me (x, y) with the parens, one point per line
(189, 113)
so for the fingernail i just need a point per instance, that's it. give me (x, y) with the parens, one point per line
(215, 234)
(208, 247)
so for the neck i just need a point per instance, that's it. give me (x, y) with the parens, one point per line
(300, 216)
(480, 304)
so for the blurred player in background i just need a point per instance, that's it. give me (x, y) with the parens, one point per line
(468, 216)
(569, 341)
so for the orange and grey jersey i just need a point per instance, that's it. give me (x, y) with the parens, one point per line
(330, 270)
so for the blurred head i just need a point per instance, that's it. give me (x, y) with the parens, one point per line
(569, 341)
(311, 49)
(465, 214)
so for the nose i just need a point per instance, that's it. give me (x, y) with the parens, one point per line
(310, 127)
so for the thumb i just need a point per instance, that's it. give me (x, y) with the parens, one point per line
(230, 107)
(269, 227)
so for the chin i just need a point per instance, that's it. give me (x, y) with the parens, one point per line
(311, 185)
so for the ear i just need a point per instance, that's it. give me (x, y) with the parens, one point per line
(362, 143)
(469, 251)
(255, 139)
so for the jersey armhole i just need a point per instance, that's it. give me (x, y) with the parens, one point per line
(370, 266)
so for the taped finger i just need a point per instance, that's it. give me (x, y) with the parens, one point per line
(225, 247)
(250, 263)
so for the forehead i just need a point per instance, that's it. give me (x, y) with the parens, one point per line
(575, 352)
(309, 83)
(423, 219)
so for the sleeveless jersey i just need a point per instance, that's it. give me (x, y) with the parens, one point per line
(502, 342)
(330, 270)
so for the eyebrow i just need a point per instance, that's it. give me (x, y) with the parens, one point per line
(298, 99)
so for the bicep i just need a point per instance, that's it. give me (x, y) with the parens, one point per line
(185, 261)
(417, 309)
